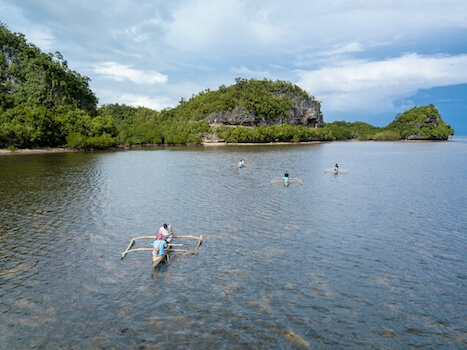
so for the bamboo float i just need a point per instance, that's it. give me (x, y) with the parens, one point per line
(200, 241)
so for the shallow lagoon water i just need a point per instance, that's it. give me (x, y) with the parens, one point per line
(371, 259)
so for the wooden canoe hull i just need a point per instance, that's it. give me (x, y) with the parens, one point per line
(157, 260)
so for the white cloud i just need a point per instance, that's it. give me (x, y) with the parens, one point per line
(157, 103)
(41, 36)
(365, 85)
(342, 49)
(196, 25)
(247, 73)
(208, 26)
(119, 72)
(145, 101)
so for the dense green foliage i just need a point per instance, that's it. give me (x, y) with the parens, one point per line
(41, 99)
(421, 123)
(273, 133)
(45, 104)
(136, 126)
(342, 130)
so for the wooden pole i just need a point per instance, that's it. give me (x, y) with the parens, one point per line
(198, 238)
(180, 250)
(135, 250)
(141, 237)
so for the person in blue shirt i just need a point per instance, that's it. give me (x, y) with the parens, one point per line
(159, 245)
(336, 169)
(286, 179)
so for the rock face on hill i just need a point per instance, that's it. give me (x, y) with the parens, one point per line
(430, 123)
(304, 111)
(238, 116)
(261, 103)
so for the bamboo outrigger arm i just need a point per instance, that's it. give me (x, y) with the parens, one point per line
(292, 179)
(296, 179)
(195, 237)
(128, 250)
(141, 237)
(200, 241)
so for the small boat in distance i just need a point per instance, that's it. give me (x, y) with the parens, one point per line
(286, 184)
(335, 170)
(241, 163)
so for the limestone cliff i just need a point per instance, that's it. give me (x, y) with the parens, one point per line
(261, 102)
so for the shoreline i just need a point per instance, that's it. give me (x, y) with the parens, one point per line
(126, 148)
(37, 151)
(4, 151)
(225, 144)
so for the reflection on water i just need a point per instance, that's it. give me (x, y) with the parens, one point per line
(374, 258)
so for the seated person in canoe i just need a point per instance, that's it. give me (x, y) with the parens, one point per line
(159, 245)
(166, 232)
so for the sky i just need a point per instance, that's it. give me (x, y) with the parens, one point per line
(364, 60)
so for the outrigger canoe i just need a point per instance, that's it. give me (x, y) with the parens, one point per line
(292, 179)
(157, 260)
(335, 171)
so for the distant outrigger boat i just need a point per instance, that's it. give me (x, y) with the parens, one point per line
(292, 179)
(335, 171)
(156, 259)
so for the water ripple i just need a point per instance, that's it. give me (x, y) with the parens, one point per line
(374, 258)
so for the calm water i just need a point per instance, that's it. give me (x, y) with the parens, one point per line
(372, 259)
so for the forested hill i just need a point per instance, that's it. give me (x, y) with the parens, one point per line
(253, 103)
(418, 123)
(41, 99)
(43, 103)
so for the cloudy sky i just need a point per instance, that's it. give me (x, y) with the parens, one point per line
(364, 60)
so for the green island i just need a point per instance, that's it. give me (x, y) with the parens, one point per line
(45, 104)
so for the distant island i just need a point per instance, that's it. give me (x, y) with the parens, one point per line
(43, 103)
